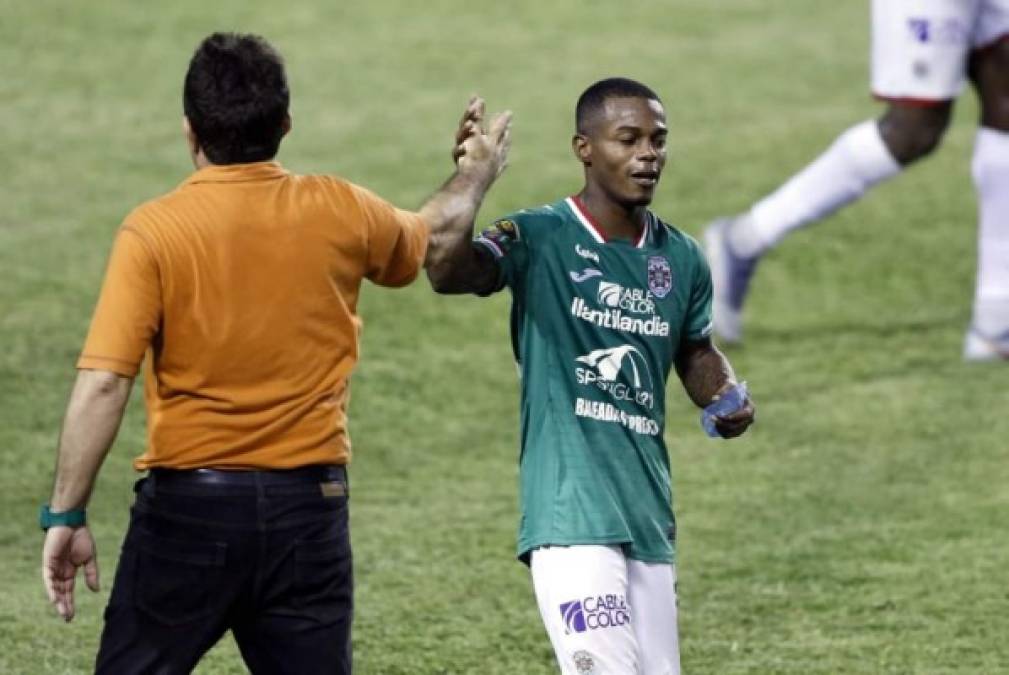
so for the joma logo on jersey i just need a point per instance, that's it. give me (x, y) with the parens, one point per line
(594, 612)
(585, 274)
(606, 368)
(634, 300)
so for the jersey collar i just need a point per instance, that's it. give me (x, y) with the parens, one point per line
(589, 222)
(237, 173)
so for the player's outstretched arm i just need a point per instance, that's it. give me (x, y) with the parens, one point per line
(706, 374)
(452, 263)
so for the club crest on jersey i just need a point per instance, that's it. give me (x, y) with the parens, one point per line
(660, 276)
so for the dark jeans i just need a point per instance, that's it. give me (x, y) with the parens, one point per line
(265, 554)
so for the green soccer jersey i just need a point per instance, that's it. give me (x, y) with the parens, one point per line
(595, 328)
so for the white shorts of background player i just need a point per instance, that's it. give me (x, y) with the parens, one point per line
(920, 48)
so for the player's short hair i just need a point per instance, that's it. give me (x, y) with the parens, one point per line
(236, 98)
(593, 98)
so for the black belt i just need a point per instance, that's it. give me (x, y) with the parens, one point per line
(241, 478)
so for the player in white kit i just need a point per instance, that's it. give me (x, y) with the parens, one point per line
(923, 54)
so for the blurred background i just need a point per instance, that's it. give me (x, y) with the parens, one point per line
(859, 527)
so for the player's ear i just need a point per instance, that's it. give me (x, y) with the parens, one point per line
(286, 124)
(582, 148)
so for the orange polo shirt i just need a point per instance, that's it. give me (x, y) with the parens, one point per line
(241, 287)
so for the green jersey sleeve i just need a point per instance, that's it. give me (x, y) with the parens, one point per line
(697, 324)
(506, 242)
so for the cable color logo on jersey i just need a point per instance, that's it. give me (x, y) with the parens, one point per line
(594, 613)
(634, 300)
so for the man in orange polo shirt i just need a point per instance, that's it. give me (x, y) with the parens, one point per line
(241, 288)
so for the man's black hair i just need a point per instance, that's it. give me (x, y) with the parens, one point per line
(593, 98)
(236, 98)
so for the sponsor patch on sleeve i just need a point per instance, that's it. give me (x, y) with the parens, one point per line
(499, 237)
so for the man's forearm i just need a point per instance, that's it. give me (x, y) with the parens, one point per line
(92, 419)
(704, 372)
(450, 214)
(480, 155)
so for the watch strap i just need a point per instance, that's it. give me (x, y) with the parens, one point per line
(71, 518)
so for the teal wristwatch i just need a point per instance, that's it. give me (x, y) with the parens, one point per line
(71, 518)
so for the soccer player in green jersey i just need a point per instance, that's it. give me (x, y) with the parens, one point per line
(607, 299)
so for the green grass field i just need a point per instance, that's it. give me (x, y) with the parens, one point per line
(860, 527)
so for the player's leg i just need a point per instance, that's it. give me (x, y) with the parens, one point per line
(919, 79)
(861, 157)
(856, 161)
(988, 336)
(651, 595)
(911, 131)
(582, 596)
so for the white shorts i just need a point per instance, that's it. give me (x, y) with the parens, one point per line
(607, 614)
(920, 47)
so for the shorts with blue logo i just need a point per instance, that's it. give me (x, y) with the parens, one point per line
(607, 614)
(921, 48)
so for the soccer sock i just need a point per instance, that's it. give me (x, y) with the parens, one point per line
(990, 169)
(856, 161)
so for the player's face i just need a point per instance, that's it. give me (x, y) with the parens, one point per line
(624, 150)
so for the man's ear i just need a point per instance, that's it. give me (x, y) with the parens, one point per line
(191, 139)
(582, 148)
(286, 125)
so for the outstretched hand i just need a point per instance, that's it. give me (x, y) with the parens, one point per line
(479, 150)
(64, 551)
